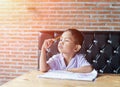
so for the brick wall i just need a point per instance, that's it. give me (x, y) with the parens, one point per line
(21, 20)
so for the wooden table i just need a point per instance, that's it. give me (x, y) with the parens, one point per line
(30, 79)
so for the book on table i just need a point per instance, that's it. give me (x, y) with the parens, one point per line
(60, 74)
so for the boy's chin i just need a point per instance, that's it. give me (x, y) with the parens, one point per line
(61, 51)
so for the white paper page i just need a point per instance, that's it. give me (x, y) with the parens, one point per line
(59, 74)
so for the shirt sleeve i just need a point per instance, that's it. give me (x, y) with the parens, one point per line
(52, 62)
(82, 61)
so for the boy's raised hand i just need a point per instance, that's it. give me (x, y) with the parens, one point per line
(47, 43)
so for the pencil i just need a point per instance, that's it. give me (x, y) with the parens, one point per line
(56, 38)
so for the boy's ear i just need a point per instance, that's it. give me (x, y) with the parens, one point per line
(77, 48)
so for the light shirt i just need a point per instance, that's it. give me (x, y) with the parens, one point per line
(57, 62)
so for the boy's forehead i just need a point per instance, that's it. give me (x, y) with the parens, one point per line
(67, 34)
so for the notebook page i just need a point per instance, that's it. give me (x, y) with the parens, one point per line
(59, 74)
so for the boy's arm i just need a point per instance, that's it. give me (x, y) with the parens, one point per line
(83, 69)
(43, 65)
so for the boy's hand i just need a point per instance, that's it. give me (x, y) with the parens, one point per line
(83, 69)
(47, 43)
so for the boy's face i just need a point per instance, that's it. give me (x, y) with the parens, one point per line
(67, 43)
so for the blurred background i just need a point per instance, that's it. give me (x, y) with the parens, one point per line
(21, 21)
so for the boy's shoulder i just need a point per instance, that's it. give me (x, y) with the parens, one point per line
(79, 55)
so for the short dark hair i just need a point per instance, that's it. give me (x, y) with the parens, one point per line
(77, 35)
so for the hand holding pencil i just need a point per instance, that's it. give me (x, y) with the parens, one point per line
(48, 42)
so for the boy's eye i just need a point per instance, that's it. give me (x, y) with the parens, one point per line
(65, 40)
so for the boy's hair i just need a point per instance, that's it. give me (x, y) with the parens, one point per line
(77, 35)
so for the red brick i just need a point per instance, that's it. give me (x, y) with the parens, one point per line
(103, 5)
(10, 70)
(104, 20)
(116, 20)
(117, 28)
(16, 67)
(89, 5)
(116, 4)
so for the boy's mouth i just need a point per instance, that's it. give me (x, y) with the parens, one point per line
(59, 46)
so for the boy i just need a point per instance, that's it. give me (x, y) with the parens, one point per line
(68, 58)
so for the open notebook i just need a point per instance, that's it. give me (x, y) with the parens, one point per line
(59, 74)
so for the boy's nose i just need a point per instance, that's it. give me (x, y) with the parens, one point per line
(61, 42)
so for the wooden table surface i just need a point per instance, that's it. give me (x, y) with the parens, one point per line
(30, 79)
